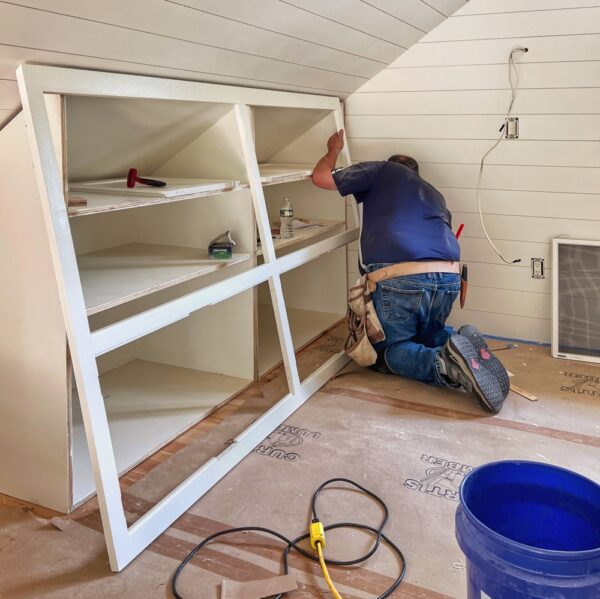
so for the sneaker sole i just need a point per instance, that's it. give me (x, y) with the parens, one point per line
(484, 385)
(488, 359)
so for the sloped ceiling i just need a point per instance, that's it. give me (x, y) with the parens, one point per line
(328, 47)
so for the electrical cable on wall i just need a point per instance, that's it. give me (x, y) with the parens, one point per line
(513, 78)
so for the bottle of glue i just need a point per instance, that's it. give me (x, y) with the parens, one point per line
(286, 215)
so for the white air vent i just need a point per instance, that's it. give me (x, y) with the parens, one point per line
(576, 299)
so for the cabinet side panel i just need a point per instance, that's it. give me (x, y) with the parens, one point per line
(33, 348)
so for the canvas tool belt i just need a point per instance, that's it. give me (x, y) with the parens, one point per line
(364, 326)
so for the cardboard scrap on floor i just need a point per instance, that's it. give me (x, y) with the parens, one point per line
(60, 523)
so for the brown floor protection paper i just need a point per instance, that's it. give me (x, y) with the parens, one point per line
(410, 443)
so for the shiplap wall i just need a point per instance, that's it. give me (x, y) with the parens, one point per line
(443, 102)
(309, 46)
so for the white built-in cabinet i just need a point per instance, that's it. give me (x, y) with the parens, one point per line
(120, 291)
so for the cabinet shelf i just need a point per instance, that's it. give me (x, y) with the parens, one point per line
(117, 275)
(301, 236)
(272, 173)
(97, 203)
(148, 404)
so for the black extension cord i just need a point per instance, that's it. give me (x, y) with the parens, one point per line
(293, 544)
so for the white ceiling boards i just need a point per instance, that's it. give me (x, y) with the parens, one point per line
(327, 48)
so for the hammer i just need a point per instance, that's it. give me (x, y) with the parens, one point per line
(132, 179)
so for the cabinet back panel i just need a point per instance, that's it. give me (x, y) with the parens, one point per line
(107, 136)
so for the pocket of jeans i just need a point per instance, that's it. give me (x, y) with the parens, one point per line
(398, 305)
(449, 299)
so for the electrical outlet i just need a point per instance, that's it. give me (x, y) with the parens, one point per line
(537, 268)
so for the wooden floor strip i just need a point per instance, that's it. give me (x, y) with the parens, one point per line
(360, 579)
(482, 419)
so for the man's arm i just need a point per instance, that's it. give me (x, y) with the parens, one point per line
(321, 176)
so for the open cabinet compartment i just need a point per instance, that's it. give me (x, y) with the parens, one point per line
(288, 145)
(195, 144)
(158, 386)
(290, 141)
(126, 255)
(310, 310)
(158, 338)
(319, 214)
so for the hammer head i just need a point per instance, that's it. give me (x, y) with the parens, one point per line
(132, 177)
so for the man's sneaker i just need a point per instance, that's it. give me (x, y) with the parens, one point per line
(463, 367)
(487, 358)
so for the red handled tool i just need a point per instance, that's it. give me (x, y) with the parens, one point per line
(132, 179)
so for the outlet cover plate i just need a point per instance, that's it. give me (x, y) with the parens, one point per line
(538, 270)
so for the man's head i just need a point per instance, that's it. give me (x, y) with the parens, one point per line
(411, 163)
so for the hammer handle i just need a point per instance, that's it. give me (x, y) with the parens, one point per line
(152, 182)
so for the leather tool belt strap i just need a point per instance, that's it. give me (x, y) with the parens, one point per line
(364, 327)
(403, 269)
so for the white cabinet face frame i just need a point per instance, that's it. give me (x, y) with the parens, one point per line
(124, 543)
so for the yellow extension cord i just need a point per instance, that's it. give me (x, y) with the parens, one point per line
(326, 573)
(317, 541)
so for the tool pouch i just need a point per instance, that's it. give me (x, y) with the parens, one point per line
(364, 327)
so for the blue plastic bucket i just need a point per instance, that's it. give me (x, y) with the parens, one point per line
(529, 530)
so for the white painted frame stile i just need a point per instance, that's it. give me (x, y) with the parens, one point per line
(124, 543)
(555, 348)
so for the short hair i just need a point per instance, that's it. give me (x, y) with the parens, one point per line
(407, 161)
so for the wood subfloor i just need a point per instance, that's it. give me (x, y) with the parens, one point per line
(409, 442)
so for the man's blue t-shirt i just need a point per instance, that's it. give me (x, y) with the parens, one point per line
(405, 219)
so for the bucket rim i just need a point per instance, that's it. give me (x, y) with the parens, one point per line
(538, 552)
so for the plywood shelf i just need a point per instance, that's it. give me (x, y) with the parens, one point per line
(117, 275)
(272, 173)
(148, 404)
(306, 326)
(97, 203)
(301, 236)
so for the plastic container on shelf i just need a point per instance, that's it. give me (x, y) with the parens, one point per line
(286, 215)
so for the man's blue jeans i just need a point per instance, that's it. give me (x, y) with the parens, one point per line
(413, 312)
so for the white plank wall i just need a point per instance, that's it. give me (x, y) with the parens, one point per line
(443, 102)
(300, 45)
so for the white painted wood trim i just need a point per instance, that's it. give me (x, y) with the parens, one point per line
(144, 323)
(125, 544)
(554, 341)
(50, 187)
(100, 83)
(340, 124)
(161, 516)
(244, 119)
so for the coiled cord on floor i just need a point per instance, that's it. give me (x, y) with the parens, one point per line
(318, 557)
